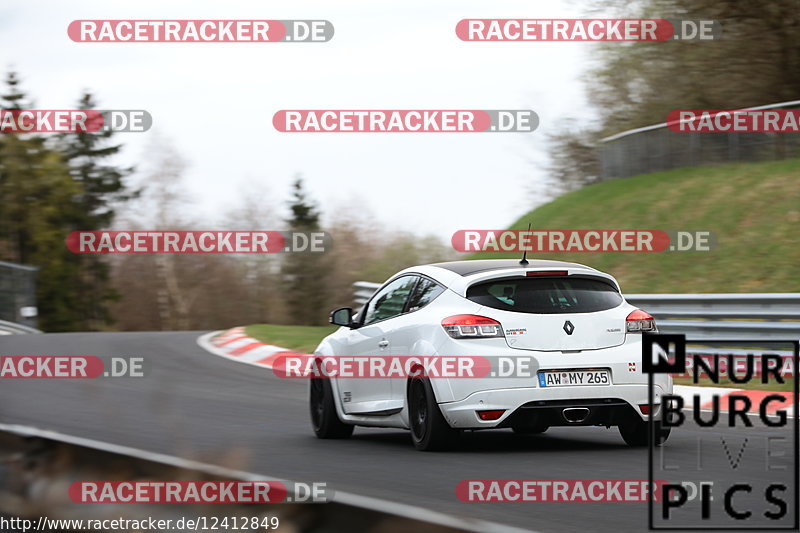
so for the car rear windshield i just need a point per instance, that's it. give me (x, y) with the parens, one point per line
(546, 295)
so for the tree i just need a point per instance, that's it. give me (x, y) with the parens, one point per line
(176, 291)
(168, 289)
(48, 188)
(36, 211)
(305, 216)
(574, 159)
(305, 287)
(102, 187)
(258, 274)
(103, 184)
(13, 99)
(756, 62)
(635, 84)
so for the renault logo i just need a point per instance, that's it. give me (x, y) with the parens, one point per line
(568, 327)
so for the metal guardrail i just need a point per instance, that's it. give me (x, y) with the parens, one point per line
(656, 148)
(12, 328)
(765, 316)
(768, 316)
(362, 291)
(42, 458)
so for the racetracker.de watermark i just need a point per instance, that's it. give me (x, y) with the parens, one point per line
(70, 367)
(200, 31)
(199, 492)
(198, 242)
(74, 120)
(195, 492)
(403, 366)
(643, 30)
(555, 490)
(570, 241)
(405, 121)
(734, 121)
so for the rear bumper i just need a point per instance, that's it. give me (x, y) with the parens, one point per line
(532, 406)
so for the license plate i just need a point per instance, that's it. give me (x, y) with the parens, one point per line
(571, 378)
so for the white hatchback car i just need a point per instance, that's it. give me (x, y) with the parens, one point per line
(569, 321)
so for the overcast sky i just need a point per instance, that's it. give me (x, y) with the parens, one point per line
(214, 102)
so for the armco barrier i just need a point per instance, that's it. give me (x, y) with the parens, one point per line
(38, 467)
(656, 148)
(767, 316)
(12, 328)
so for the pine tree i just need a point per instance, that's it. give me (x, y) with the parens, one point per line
(102, 186)
(305, 286)
(13, 99)
(36, 207)
(87, 154)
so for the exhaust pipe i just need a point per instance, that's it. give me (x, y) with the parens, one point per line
(575, 414)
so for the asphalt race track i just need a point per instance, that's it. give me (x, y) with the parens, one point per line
(199, 406)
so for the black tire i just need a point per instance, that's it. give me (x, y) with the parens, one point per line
(324, 419)
(529, 430)
(429, 430)
(636, 432)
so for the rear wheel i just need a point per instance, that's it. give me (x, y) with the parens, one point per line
(429, 430)
(324, 418)
(636, 432)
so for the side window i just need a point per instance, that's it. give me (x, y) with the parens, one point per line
(424, 293)
(390, 300)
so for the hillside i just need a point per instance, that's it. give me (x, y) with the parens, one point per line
(753, 208)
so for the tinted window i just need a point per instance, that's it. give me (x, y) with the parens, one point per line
(424, 293)
(390, 300)
(546, 295)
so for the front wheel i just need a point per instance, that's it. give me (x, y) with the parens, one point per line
(324, 419)
(636, 432)
(429, 430)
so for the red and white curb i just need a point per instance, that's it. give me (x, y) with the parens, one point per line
(235, 344)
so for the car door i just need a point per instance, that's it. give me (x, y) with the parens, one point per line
(408, 328)
(374, 336)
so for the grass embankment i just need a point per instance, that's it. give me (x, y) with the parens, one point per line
(753, 209)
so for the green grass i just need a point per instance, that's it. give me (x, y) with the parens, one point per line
(753, 208)
(299, 338)
(755, 384)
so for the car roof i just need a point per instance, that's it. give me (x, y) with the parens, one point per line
(467, 268)
(459, 275)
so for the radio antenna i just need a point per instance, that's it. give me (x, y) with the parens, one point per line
(524, 261)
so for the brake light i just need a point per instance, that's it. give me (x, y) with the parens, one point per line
(538, 273)
(639, 321)
(472, 327)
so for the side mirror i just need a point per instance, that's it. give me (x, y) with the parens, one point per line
(342, 317)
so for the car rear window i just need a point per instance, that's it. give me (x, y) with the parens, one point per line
(546, 295)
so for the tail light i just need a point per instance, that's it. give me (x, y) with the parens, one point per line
(639, 321)
(472, 327)
(492, 414)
